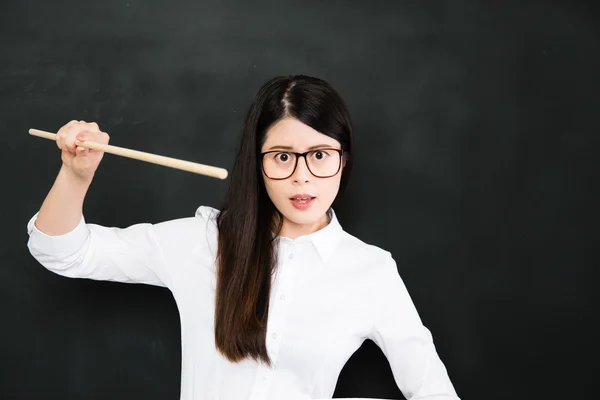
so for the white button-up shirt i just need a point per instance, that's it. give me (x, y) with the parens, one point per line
(330, 292)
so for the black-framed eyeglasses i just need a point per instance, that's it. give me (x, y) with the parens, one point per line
(281, 164)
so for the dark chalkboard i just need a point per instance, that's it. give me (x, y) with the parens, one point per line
(477, 167)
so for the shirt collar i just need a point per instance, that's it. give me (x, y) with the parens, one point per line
(326, 239)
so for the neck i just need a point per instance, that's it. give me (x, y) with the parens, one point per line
(292, 230)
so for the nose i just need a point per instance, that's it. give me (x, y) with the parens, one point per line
(302, 173)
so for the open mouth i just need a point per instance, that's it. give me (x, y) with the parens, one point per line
(302, 200)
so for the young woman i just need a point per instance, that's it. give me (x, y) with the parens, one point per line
(274, 296)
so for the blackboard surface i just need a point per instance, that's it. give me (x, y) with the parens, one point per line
(477, 167)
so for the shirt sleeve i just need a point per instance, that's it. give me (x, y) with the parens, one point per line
(129, 255)
(407, 344)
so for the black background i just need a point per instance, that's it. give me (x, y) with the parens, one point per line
(476, 126)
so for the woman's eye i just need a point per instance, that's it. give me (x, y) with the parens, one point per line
(320, 154)
(283, 157)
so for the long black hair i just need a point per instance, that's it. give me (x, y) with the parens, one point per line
(246, 255)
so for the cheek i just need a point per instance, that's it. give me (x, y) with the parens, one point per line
(328, 190)
(273, 189)
(335, 188)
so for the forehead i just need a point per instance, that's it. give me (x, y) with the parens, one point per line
(293, 133)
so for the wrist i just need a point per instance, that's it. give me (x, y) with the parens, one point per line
(73, 179)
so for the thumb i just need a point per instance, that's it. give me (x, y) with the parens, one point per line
(81, 150)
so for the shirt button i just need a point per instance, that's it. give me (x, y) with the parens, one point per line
(274, 335)
(282, 297)
(291, 255)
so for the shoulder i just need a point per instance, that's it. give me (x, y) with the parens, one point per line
(197, 232)
(355, 250)
(377, 268)
(203, 219)
(207, 213)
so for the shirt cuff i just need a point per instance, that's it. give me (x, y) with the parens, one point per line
(60, 244)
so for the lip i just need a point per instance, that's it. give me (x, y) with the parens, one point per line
(302, 195)
(302, 206)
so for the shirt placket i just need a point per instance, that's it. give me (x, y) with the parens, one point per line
(278, 310)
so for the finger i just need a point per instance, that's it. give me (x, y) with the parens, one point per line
(93, 127)
(71, 136)
(70, 123)
(73, 130)
(98, 137)
(82, 151)
(84, 136)
(62, 132)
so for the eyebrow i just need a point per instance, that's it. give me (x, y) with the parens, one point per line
(318, 146)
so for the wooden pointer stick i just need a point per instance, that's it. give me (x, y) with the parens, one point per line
(143, 156)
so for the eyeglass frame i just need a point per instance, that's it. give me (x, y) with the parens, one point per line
(298, 155)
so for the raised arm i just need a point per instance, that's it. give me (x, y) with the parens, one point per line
(62, 242)
(62, 209)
